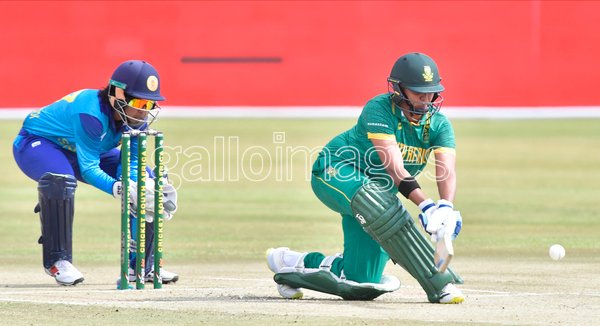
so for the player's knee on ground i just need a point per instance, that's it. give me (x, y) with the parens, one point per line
(56, 195)
(321, 279)
(364, 259)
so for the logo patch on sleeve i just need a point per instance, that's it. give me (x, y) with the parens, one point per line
(377, 124)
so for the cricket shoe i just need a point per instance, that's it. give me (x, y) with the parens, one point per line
(167, 277)
(64, 273)
(451, 294)
(276, 263)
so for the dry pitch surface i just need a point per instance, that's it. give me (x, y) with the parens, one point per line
(498, 292)
(524, 185)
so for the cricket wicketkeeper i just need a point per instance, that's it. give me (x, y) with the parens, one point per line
(358, 175)
(76, 138)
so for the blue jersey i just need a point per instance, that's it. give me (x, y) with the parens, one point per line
(81, 123)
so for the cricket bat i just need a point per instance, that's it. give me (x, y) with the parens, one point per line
(444, 251)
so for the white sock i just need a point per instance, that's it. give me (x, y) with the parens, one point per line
(290, 258)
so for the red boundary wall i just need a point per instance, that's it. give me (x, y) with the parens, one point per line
(490, 53)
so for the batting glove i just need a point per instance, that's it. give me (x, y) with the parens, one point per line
(427, 208)
(458, 226)
(442, 217)
(444, 220)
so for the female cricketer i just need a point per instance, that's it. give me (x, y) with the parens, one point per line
(358, 175)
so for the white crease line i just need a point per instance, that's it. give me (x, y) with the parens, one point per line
(482, 293)
(234, 279)
(493, 293)
(110, 291)
(487, 291)
(168, 288)
(590, 294)
(79, 303)
(118, 304)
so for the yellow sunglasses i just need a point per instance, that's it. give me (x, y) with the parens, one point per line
(141, 104)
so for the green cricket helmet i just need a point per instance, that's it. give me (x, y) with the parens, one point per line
(418, 73)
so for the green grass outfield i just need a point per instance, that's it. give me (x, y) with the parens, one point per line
(523, 185)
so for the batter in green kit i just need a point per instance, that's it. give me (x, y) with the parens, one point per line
(358, 175)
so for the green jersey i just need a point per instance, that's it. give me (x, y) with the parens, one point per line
(382, 119)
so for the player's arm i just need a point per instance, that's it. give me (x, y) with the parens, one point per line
(88, 135)
(390, 155)
(445, 167)
(445, 171)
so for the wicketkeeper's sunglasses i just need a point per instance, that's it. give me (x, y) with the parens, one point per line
(141, 104)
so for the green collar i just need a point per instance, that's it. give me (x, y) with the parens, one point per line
(398, 113)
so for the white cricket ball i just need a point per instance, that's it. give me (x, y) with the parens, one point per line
(557, 252)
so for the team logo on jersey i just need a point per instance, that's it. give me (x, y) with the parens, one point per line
(427, 74)
(426, 128)
(152, 83)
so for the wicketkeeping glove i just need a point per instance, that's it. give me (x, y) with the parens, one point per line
(118, 192)
(133, 195)
(169, 200)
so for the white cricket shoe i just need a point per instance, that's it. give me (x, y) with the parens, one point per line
(65, 273)
(167, 277)
(276, 263)
(451, 294)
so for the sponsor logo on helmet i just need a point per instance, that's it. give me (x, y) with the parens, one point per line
(152, 83)
(427, 74)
